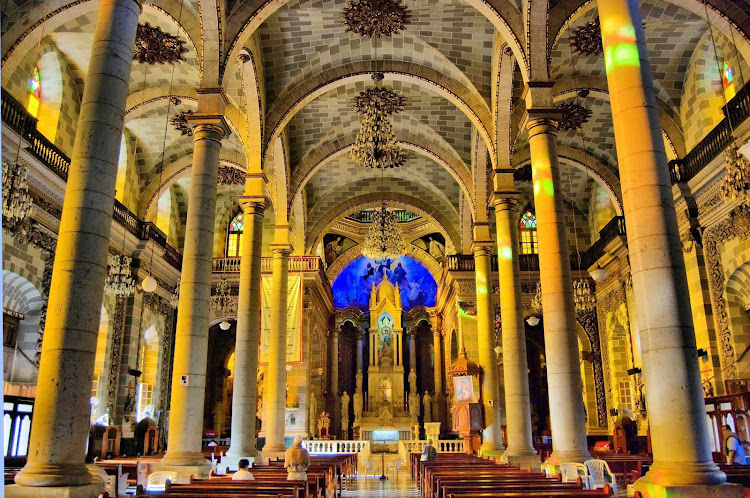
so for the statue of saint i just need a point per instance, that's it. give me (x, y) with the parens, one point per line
(386, 352)
(427, 406)
(345, 410)
(414, 406)
(385, 416)
(333, 250)
(413, 380)
(437, 250)
(359, 378)
(358, 406)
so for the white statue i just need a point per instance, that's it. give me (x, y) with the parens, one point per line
(413, 380)
(414, 406)
(427, 406)
(359, 379)
(385, 416)
(437, 250)
(345, 410)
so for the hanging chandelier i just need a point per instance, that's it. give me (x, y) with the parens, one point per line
(375, 18)
(736, 175)
(174, 297)
(384, 238)
(375, 145)
(16, 199)
(120, 281)
(584, 299)
(536, 301)
(222, 303)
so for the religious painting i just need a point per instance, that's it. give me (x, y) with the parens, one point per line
(464, 388)
(293, 319)
(433, 244)
(334, 245)
(353, 285)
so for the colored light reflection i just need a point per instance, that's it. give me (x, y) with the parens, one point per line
(542, 177)
(506, 252)
(620, 48)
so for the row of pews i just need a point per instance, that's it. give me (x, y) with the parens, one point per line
(456, 475)
(324, 479)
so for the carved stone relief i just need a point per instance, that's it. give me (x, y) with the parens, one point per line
(588, 322)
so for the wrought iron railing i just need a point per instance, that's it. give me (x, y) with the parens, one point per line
(615, 228)
(366, 216)
(736, 111)
(15, 116)
(297, 264)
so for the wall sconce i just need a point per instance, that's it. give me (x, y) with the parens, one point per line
(533, 320)
(634, 371)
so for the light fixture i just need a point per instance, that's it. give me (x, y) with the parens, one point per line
(174, 298)
(584, 299)
(536, 301)
(375, 145)
(599, 274)
(225, 325)
(222, 302)
(149, 284)
(498, 350)
(288, 368)
(120, 281)
(375, 18)
(16, 199)
(736, 179)
(384, 239)
(533, 320)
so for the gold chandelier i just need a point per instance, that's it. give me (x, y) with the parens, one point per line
(384, 239)
(584, 299)
(375, 145)
(375, 18)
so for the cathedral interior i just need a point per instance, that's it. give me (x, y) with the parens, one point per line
(519, 228)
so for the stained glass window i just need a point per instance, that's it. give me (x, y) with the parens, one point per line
(234, 236)
(35, 93)
(727, 79)
(529, 244)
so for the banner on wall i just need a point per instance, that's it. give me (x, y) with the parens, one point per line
(293, 320)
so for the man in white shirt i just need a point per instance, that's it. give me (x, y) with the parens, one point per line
(243, 474)
(733, 449)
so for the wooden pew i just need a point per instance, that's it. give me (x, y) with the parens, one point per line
(568, 493)
(226, 487)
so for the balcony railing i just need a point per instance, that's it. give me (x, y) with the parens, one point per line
(615, 228)
(15, 116)
(298, 264)
(366, 216)
(736, 111)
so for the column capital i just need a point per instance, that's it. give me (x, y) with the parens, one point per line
(281, 250)
(542, 120)
(252, 205)
(209, 126)
(481, 248)
(504, 200)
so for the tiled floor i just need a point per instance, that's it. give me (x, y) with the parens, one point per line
(372, 486)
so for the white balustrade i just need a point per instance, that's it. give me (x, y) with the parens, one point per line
(441, 445)
(322, 446)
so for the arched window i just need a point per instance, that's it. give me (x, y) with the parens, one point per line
(727, 80)
(35, 93)
(234, 236)
(529, 243)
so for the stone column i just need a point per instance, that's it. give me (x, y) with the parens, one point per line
(360, 350)
(413, 349)
(61, 416)
(184, 444)
(438, 400)
(520, 447)
(245, 387)
(335, 364)
(679, 431)
(492, 441)
(275, 389)
(567, 415)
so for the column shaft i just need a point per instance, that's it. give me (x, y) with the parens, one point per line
(191, 339)
(515, 367)
(567, 415)
(275, 391)
(61, 416)
(438, 366)
(412, 351)
(360, 352)
(245, 386)
(670, 364)
(492, 440)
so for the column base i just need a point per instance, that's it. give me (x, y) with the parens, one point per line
(265, 455)
(232, 462)
(663, 473)
(185, 465)
(651, 490)
(524, 461)
(492, 452)
(552, 464)
(87, 491)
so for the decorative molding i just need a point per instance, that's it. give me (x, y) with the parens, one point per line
(231, 176)
(735, 225)
(154, 46)
(588, 321)
(118, 332)
(606, 305)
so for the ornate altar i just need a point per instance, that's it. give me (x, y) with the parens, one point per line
(324, 425)
(467, 412)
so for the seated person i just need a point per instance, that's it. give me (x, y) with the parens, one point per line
(243, 474)
(212, 443)
(430, 453)
(296, 461)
